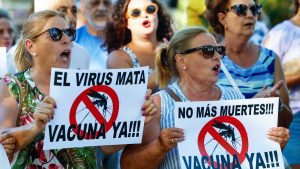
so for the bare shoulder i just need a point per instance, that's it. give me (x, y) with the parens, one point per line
(119, 59)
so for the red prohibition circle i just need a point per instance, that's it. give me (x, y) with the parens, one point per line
(83, 97)
(208, 128)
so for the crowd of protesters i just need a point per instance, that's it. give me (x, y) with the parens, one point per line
(229, 59)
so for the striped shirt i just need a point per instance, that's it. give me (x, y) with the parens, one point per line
(252, 79)
(171, 160)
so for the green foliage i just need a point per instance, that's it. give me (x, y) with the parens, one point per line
(277, 10)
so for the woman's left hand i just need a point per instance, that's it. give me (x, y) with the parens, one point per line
(149, 108)
(8, 143)
(280, 135)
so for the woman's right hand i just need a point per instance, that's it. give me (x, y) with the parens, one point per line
(169, 138)
(44, 113)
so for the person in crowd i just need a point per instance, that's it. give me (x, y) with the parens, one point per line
(6, 30)
(253, 69)
(283, 39)
(189, 52)
(137, 28)
(80, 57)
(96, 13)
(45, 43)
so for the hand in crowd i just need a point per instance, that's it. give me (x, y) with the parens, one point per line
(44, 112)
(270, 92)
(280, 135)
(8, 143)
(169, 138)
(149, 108)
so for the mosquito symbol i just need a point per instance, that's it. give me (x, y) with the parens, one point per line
(226, 131)
(99, 100)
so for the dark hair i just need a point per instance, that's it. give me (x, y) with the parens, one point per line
(117, 34)
(4, 14)
(213, 7)
(165, 64)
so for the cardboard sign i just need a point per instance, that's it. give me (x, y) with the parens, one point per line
(228, 134)
(96, 107)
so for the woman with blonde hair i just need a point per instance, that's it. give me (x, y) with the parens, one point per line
(45, 43)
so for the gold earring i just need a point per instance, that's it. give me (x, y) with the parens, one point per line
(33, 54)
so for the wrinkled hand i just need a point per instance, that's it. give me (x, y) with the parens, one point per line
(280, 135)
(169, 138)
(9, 144)
(149, 108)
(270, 92)
(44, 112)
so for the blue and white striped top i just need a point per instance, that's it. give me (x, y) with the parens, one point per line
(252, 79)
(171, 160)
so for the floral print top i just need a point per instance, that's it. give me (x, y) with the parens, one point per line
(33, 155)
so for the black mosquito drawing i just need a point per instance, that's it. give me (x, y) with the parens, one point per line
(99, 100)
(226, 131)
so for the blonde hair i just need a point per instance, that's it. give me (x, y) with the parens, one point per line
(165, 60)
(31, 28)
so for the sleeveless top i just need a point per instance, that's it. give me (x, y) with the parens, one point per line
(285, 42)
(33, 155)
(171, 160)
(135, 61)
(252, 79)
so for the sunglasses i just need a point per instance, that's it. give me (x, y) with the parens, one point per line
(136, 12)
(241, 9)
(56, 34)
(208, 51)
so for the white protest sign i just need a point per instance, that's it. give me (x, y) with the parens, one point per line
(228, 134)
(3, 62)
(96, 107)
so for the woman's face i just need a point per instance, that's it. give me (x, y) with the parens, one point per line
(6, 33)
(142, 17)
(50, 53)
(239, 19)
(201, 67)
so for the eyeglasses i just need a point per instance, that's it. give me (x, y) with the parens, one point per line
(56, 34)
(241, 9)
(136, 12)
(208, 51)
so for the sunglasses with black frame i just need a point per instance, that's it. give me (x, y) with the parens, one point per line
(241, 9)
(56, 34)
(208, 51)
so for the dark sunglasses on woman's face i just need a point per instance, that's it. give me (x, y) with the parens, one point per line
(241, 9)
(136, 12)
(208, 51)
(56, 34)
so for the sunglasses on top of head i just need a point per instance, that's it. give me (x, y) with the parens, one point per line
(136, 12)
(241, 9)
(56, 34)
(208, 51)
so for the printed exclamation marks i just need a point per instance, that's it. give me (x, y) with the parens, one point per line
(130, 129)
(134, 129)
(271, 159)
(269, 108)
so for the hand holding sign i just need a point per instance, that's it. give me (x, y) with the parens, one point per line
(169, 138)
(149, 108)
(280, 135)
(44, 112)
